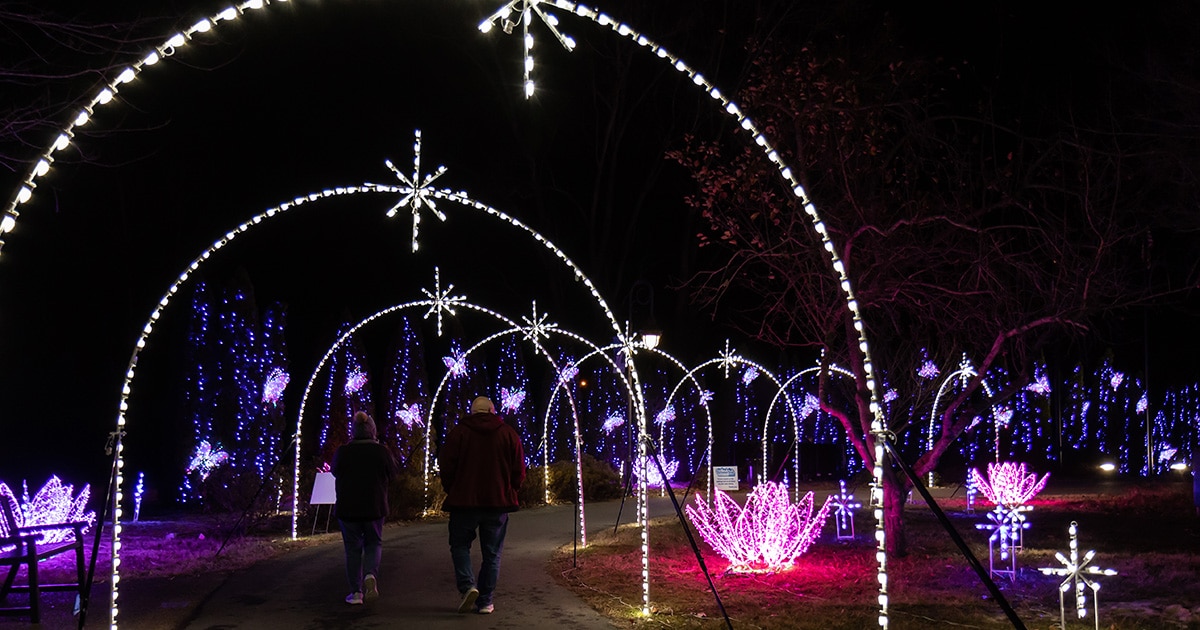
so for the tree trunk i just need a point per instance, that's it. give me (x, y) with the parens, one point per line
(895, 496)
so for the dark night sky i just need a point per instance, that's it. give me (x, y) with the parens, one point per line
(304, 96)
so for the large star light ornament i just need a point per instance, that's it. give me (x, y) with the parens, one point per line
(525, 11)
(416, 194)
(1076, 572)
(443, 302)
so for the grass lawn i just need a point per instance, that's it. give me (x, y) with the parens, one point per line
(1147, 532)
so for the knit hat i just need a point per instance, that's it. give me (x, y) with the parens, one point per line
(482, 405)
(364, 426)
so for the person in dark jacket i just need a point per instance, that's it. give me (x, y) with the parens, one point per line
(361, 470)
(482, 465)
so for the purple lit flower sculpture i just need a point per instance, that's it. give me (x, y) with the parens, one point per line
(54, 503)
(765, 536)
(1008, 484)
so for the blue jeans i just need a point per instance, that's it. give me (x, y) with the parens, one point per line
(491, 527)
(363, 541)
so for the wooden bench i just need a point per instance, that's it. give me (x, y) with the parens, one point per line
(27, 550)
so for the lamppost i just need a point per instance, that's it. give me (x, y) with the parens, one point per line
(642, 294)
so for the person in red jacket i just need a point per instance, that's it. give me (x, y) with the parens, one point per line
(482, 465)
(361, 470)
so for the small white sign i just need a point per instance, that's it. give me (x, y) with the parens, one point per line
(324, 490)
(726, 477)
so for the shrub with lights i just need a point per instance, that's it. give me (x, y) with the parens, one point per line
(765, 536)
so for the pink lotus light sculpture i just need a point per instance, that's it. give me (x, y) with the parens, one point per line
(1008, 484)
(54, 503)
(767, 535)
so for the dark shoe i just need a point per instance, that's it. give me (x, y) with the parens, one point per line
(468, 599)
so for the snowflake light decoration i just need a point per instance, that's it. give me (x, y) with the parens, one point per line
(206, 459)
(411, 415)
(705, 396)
(729, 359)
(1076, 572)
(54, 503)
(1008, 484)
(416, 194)
(355, 381)
(511, 399)
(443, 302)
(767, 535)
(749, 375)
(273, 388)
(844, 505)
(646, 468)
(1006, 526)
(456, 363)
(613, 422)
(527, 10)
(536, 326)
(665, 416)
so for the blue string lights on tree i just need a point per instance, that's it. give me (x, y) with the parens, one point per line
(232, 393)
(407, 402)
(347, 391)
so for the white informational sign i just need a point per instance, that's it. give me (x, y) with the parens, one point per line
(324, 491)
(726, 477)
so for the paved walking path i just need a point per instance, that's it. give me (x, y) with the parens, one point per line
(304, 589)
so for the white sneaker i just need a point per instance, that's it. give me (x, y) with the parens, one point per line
(370, 588)
(468, 599)
(486, 610)
(354, 598)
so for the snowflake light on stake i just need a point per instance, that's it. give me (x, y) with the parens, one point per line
(206, 459)
(843, 512)
(1076, 572)
(647, 469)
(53, 503)
(1008, 484)
(411, 415)
(765, 536)
(1006, 526)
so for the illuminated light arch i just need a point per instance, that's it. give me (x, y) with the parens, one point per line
(796, 418)
(440, 301)
(727, 360)
(964, 372)
(106, 94)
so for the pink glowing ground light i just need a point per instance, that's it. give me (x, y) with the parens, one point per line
(766, 536)
(1008, 484)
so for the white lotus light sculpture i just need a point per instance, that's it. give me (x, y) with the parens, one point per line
(1007, 483)
(765, 536)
